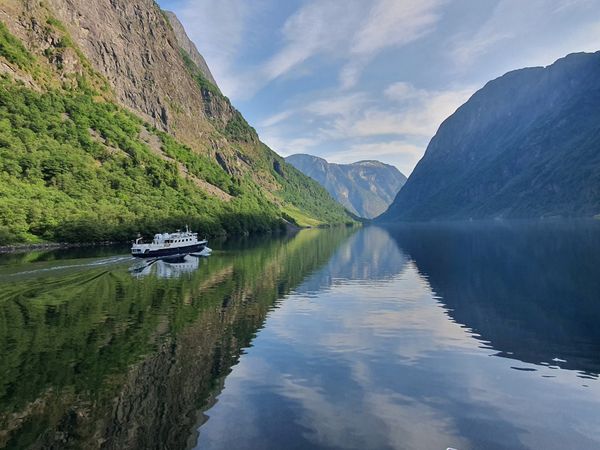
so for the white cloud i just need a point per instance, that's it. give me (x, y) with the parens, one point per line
(413, 111)
(276, 118)
(288, 146)
(352, 31)
(317, 27)
(399, 153)
(337, 105)
(394, 127)
(390, 23)
(395, 22)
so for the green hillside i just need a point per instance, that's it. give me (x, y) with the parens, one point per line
(75, 166)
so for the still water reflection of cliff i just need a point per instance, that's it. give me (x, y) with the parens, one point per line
(466, 336)
(95, 356)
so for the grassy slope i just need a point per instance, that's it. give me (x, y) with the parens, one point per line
(303, 200)
(73, 166)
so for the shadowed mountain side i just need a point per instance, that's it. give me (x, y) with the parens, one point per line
(365, 188)
(524, 146)
(530, 290)
(151, 352)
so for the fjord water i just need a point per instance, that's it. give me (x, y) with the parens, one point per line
(466, 336)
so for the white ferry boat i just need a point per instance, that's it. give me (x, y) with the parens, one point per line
(167, 245)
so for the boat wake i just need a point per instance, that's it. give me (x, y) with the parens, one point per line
(99, 262)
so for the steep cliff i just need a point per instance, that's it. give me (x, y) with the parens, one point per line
(365, 188)
(526, 145)
(107, 122)
(189, 47)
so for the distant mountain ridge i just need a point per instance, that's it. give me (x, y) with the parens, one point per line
(365, 188)
(527, 145)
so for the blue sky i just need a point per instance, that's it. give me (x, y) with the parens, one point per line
(372, 79)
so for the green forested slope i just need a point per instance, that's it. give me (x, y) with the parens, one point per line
(76, 166)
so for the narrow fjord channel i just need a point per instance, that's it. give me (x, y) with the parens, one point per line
(464, 336)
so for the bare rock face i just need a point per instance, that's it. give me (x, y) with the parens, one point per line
(189, 47)
(132, 45)
(136, 47)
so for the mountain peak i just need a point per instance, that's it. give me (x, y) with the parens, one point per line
(366, 188)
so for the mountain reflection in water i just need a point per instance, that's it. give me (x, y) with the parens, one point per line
(531, 290)
(467, 336)
(93, 356)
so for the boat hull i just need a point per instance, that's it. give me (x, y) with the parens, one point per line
(171, 251)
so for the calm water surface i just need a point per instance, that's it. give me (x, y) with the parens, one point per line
(472, 337)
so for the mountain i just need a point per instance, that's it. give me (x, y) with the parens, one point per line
(365, 188)
(110, 124)
(527, 145)
(187, 46)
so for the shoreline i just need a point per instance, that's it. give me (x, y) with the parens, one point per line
(17, 248)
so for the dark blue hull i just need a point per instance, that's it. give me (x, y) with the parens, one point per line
(172, 251)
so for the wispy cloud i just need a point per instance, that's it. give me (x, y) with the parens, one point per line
(286, 146)
(351, 31)
(394, 127)
(401, 153)
(317, 76)
(408, 111)
(390, 23)
(317, 27)
(530, 30)
(276, 118)
(338, 105)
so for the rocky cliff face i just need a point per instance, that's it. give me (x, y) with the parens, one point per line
(133, 46)
(365, 188)
(189, 47)
(130, 54)
(526, 145)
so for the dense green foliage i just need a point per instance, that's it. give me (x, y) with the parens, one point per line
(76, 167)
(13, 50)
(72, 169)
